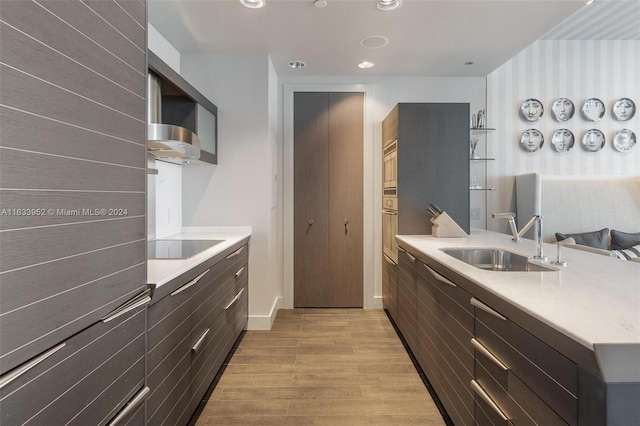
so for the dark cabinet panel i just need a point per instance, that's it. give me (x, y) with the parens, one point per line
(29, 246)
(445, 328)
(192, 328)
(407, 311)
(24, 333)
(37, 22)
(21, 130)
(390, 287)
(210, 355)
(67, 74)
(86, 381)
(547, 372)
(433, 163)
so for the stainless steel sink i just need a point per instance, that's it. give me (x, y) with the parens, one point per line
(494, 259)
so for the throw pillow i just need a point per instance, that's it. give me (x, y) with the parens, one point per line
(627, 254)
(623, 240)
(597, 239)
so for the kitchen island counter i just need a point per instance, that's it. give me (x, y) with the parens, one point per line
(593, 303)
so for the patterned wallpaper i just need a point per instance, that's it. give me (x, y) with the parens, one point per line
(551, 69)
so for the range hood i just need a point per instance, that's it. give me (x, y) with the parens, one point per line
(167, 142)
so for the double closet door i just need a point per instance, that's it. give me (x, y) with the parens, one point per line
(328, 139)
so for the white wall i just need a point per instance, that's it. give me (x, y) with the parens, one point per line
(166, 200)
(548, 70)
(237, 191)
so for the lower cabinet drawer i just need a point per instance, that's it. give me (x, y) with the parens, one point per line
(485, 415)
(87, 381)
(242, 310)
(517, 401)
(210, 353)
(548, 373)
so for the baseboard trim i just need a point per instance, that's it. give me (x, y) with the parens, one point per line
(377, 302)
(264, 322)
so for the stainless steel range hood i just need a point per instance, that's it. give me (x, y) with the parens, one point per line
(167, 142)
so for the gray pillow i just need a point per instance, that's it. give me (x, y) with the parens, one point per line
(597, 239)
(623, 240)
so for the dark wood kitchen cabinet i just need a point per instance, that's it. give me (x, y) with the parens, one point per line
(436, 320)
(194, 320)
(72, 194)
(432, 162)
(444, 330)
(84, 380)
(490, 363)
(519, 378)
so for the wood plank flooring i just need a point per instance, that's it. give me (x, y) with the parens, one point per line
(321, 367)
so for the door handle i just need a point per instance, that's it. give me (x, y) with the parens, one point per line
(310, 222)
(346, 222)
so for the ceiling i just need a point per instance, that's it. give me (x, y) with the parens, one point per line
(426, 37)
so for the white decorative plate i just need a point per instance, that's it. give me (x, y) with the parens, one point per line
(593, 109)
(563, 109)
(593, 140)
(624, 140)
(624, 109)
(531, 110)
(531, 140)
(562, 140)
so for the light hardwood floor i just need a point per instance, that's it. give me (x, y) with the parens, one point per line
(321, 367)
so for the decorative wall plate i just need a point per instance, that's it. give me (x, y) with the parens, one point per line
(563, 109)
(593, 109)
(624, 109)
(562, 140)
(593, 140)
(531, 140)
(531, 110)
(624, 140)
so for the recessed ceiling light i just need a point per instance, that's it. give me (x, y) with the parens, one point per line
(386, 5)
(297, 64)
(374, 42)
(590, 1)
(253, 4)
(320, 3)
(365, 64)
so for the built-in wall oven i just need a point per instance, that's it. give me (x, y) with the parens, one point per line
(390, 200)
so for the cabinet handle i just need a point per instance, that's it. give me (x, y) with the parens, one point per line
(389, 261)
(234, 300)
(235, 253)
(190, 283)
(140, 300)
(239, 272)
(439, 277)
(481, 348)
(482, 394)
(130, 406)
(413, 259)
(401, 249)
(19, 371)
(200, 340)
(478, 304)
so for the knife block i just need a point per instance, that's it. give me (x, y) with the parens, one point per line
(445, 227)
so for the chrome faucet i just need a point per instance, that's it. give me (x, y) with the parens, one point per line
(537, 219)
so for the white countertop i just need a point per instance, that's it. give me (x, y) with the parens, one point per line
(595, 299)
(161, 271)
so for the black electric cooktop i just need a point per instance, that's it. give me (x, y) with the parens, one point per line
(177, 249)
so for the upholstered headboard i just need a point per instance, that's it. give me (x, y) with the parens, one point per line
(575, 204)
